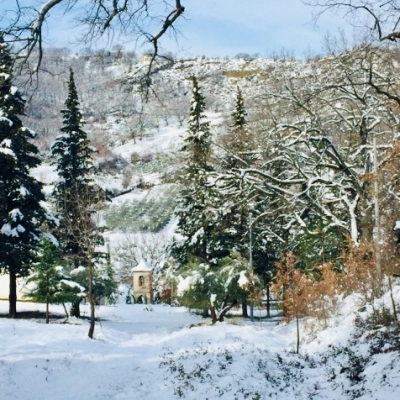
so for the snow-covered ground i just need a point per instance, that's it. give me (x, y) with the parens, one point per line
(163, 352)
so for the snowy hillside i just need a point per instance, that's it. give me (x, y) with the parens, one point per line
(138, 139)
(113, 100)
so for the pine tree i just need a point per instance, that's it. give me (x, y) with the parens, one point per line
(239, 146)
(77, 198)
(239, 142)
(198, 139)
(195, 209)
(51, 283)
(20, 209)
(241, 207)
(73, 159)
(239, 114)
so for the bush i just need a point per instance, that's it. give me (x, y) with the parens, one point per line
(145, 158)
(112, 164)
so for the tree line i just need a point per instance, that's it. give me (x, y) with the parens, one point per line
(62, 245)
(302, 198)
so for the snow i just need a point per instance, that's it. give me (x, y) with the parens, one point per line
(7, 152)
(23, 191)
(78, 270)
(74, 285)
(243, 281)
(213, 298)
(142, 267)
(45, 173)
(6, 142)
(164, 140)
(134, 195)
(7, 230)
(169, 353)
(184, 284)
(16, 214)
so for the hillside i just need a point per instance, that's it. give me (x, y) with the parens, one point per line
(301, 203)
(138, 138)
(138, 134)
(112, 96)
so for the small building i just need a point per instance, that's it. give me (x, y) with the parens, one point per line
(143, 282)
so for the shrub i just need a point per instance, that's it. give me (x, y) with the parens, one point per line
(144, 158)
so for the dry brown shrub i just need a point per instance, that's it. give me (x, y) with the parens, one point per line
(293, 283)
(290, 282)
(309, 294)
(362, 276)
(322, 293)
(306, 295)
(360, 272)
(103, 151)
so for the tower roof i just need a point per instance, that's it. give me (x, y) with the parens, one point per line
(142, 267)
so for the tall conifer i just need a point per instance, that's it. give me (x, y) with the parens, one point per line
(195, 209)
(77, 199)
(73, 159)
(20, 209)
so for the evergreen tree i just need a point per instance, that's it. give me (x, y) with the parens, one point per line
(73, 159)
(196, 212)
(20, 209)
(51, 283)
(239, 113)
(233, 194)
(77, 199)
(234, 216)
(239, 142)
(241, 207)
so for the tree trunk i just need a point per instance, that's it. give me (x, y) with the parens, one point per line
(284, 303)
(47, 312)
(65, 310)
(392, 298)
(205, 313)
(91, 300)
(297, 335)
(268, 302)
(225, 311)
(366, 227)
(244, 309)
(75, 310)
(213, 315)
(13, 293)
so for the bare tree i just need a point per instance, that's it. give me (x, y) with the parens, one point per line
(151, 248)
(380, 17)
(24, 24)
(317, 151)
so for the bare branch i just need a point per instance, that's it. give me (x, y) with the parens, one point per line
(384, 16)
(23, 25)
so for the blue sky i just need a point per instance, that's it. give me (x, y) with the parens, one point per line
(226, 27)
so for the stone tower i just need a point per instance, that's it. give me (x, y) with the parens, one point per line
(143, 282)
